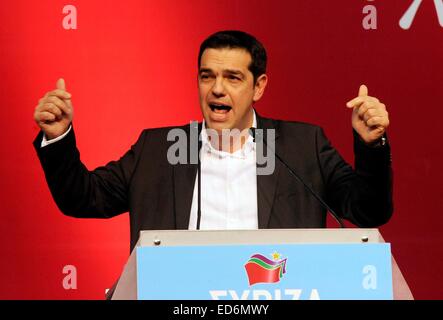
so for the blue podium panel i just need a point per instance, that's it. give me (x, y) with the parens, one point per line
(264, 272)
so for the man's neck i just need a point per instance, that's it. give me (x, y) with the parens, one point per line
(232, 140)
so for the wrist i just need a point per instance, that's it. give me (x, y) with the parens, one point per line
(378, 143)
(47, 140)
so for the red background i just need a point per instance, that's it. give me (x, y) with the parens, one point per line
(132, 65)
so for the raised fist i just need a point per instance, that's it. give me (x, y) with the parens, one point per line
(54, 111)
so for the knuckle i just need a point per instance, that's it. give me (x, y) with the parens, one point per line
(62, 104)
(52, 108)
(53, 99)
(55, 109)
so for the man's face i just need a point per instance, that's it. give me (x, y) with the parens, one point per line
(226, 88)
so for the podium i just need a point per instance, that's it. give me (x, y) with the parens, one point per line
(173, 265)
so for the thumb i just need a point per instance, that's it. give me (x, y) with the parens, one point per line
(363, 91)
(61, 84)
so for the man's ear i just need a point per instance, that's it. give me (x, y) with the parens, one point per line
(259, 87)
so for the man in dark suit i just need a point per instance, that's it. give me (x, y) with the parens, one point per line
(161, 195)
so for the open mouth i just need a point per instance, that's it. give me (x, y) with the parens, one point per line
(219, 108)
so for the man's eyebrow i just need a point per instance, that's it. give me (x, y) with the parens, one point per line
(234, 72)
(205, 70)
(228, 71)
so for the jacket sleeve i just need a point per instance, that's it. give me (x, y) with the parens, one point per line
(362, 195)
(78, 192)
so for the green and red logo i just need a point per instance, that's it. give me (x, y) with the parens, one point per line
(263, 270)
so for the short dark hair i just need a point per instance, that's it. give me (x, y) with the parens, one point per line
(238, 39)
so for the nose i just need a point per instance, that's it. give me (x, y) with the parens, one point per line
(218, 88)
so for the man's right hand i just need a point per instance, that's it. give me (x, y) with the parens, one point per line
(54, 111)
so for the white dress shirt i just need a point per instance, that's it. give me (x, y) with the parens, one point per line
(228, 187)
(46, 142)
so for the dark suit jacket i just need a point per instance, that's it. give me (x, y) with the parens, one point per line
(158, 195)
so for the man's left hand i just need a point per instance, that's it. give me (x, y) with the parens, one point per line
(369, 116)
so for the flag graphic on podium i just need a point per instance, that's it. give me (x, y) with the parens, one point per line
(263, 270)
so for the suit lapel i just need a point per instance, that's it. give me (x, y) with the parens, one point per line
(266, 184)
(184, 181)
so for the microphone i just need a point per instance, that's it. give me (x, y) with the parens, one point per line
(297, 177)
